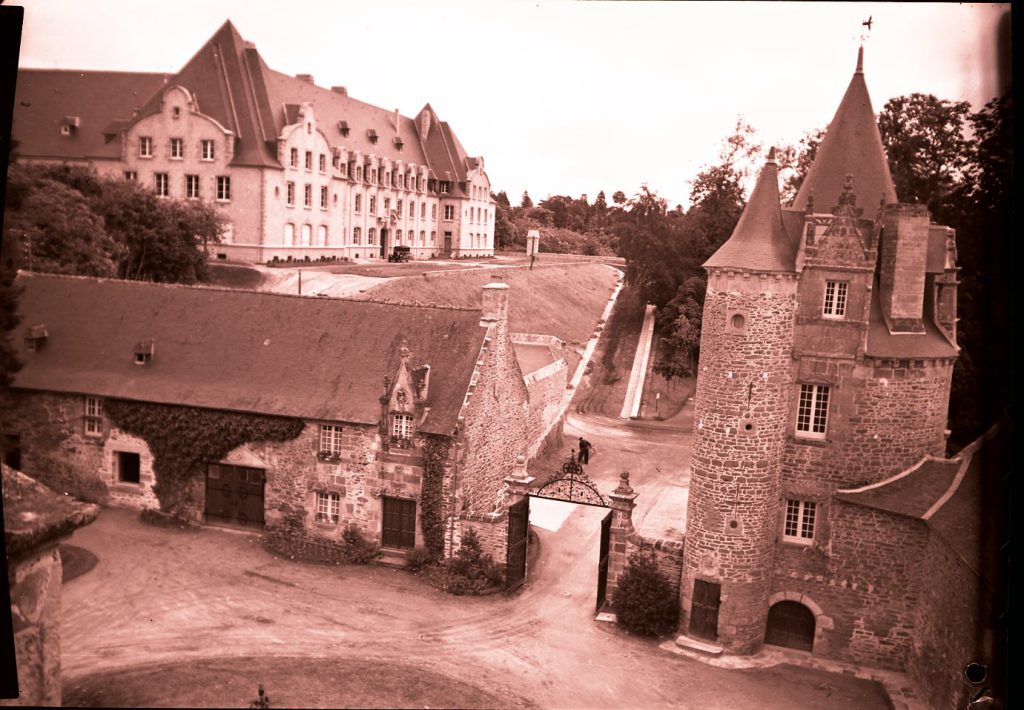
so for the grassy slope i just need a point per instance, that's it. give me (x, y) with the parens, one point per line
(564, 301)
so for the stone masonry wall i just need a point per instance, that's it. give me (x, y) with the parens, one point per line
(546, 388)
(495, 423)
(668, 555)
(940, 650)
(35, 584)
(881, 420)
(52, 432)
(864, 581)
(741, 415)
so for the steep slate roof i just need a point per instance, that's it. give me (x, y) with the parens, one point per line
(760, 241)
(852, 145)
(881, 343)
(223, 81)
(43, 97)
(314, 358)
(330, 107)
(964, 499)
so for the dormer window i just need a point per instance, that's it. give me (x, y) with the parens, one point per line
(398, 143)
(68, 124)
(144, 351)
(343, 127)
(401, 427)
(372, 135)
(35, 338)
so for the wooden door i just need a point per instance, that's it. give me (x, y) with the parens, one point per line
(790, 624)
(704, 612)
(399, 526)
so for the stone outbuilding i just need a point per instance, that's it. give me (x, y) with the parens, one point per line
(36, 519)
(398, 421)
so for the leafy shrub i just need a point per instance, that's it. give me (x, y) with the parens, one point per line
(473, 571)
(644, 601)
(419, 558)
(357, 548)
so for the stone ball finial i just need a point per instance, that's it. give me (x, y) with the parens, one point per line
(520, 460)
(624, 476)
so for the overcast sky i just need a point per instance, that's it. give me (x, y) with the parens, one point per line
(563, 97)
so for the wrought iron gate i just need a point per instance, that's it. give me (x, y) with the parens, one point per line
(602, 561)
(518, 532)
(234, 495)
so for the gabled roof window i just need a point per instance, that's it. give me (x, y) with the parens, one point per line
(398, 142)
(35, 338)
(372, 135)
(144, 350)
(343, 127)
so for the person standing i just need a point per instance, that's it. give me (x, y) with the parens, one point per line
(584, 454)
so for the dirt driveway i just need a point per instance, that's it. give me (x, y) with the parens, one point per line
(170, 597)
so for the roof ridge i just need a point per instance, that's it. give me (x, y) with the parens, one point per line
(226, 289)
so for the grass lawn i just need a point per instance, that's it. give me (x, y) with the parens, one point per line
(289, 682)
(233, 276)
(564, 301)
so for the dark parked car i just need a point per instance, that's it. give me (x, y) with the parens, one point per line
(399, 253)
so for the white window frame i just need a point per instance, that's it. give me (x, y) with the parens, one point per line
(307, 195)
(131, 176)
(328, 507)
(93, 417)
(812, 411)
(192, 187)
(162, 184)
(401, 425)
(145, 146)
(358, 206)
(449, 213)
(177, 149)
(330, 439)
(323, 163)
(294, 158)
(224, 188)
(836, 298)
(799, 522)
(208, 150)
(289, 196)
(323, 197)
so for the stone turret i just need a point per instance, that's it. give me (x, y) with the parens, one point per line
(742, 410)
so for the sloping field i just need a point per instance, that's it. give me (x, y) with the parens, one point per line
(564, 301)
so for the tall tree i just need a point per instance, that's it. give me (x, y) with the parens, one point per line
(928, 152)
(526, 202)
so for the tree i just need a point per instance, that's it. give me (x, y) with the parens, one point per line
(502, 199)
(526, 202)
(794, 162)
(619, 197)
(928, 153)
(644, 600)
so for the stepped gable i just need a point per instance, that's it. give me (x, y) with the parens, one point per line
(760, 241)
(314, 358)
(103, 102)
(225, 83)
(852, 145)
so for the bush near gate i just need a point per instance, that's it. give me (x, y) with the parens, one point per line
(473, 571)
(644, 600)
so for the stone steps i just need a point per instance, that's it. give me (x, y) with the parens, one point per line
(702, 647)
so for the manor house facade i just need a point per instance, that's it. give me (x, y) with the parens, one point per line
(298, 171)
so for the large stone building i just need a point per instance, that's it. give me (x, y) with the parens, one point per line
(822, 512)
(297, 170)
(401, 420)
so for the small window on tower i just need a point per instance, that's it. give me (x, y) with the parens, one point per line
(835, 299)
(736, 322)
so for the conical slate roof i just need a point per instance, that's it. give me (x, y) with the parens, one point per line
(759, 242)
(852, 145)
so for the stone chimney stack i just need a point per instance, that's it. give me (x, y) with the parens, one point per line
(396, 121)
(903, 254)
(495, 304)
(308, 78)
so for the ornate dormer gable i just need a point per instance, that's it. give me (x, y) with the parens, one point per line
(176, 100)
(842, 239)
(404, 402)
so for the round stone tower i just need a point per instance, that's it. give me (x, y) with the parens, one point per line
(744, 388)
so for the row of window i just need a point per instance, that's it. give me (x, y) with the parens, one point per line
(406, 181)
(192, 191)
(176, 148)
(400, 425)
(478, 214)
(294, 160)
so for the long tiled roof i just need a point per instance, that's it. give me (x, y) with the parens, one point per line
(760, 241)
(315, 358)
(232, 84)
(852, 145)
(44, 97)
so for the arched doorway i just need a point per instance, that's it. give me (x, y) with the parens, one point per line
(790, 624)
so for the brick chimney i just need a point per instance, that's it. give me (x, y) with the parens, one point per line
(308, 78)
(903, 253)
(495, 304)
